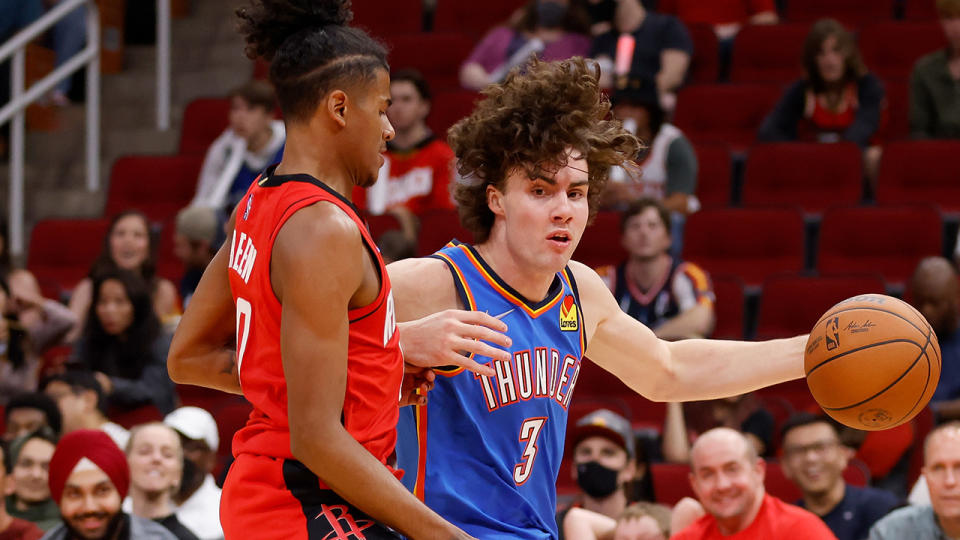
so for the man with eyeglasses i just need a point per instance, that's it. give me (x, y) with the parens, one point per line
(941, 469)
(814, 460)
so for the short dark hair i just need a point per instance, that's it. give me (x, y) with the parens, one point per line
(528, 121)
(310, 49)
(854, 68)
(39, 401)
(415, 78)
(805, 419)
(257, 94)
(635, 98)
(79, 381)
(639, 206)
(11, 452)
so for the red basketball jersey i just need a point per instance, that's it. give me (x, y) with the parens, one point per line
(374, 360)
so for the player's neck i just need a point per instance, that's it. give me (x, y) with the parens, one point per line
(822, 503)
(647, 272)
(611, 506)
(531, 284)
(738, 523)
(305, 153)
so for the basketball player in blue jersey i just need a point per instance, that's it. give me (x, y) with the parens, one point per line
(533, 159)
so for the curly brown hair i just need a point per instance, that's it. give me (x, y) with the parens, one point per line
(528, 120)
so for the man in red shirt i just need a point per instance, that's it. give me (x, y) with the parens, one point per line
(727, 477)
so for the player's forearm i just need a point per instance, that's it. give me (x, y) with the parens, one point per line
(215, 369)
(699, 369)
(354, 474)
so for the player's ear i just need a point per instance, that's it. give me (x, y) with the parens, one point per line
(495, 200)
(335, 106)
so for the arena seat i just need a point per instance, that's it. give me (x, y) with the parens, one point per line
(920, 171)
(810, 175)
(729, 307)
(204, 119)
(385, 19)
(62, 250)
(886, 239)
(159, 186)
(381, 224)
(891, 48)
(168, 264)
(437, 227)
(808, 298)
(596, 383)
(448, 107)
(920, 10)
(853, 13)
(473, 18)
(705, 64)
(437, 56)
(898, 111)
(714, 176)
(765, 53)
(749, 243)
(724, 113)
(600, 243)
(133, 417)
(671, 482)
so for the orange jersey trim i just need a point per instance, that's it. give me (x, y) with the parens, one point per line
(506, 294)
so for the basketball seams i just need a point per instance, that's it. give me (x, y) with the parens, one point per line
(926, 383)
(895, 381)
(871, 308)
(863, 347)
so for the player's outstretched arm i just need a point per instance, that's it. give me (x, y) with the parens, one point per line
(201, 352)
(690, 370)
(432, 331)
(315, 287)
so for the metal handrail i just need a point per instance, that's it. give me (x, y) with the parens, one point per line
(21, 98)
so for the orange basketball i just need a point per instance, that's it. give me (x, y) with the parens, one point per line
(872, 362)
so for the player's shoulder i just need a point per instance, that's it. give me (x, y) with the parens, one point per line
(588, 279)
(421, 286)
(319, 230)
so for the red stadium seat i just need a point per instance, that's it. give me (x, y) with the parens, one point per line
(714, 178)
(920, 171)
(62, 250)
(385, 19)
(157, 185)
(596, 383)
(600, 244)
(749, 243)
(436, 56)
(474, 18)
(885, 239)
(448, 107)
(810, 175)
(671, 482)
(204, 120)
(705, 64)
(724, 113)
(921, 10)
(381, 224)
(923, 423)
(437, 227)
(891, 48)
(898, 111)
(168, 264)
(791, 304)
(768, 53)
(134, 417)
(853, 13)
(729, 307)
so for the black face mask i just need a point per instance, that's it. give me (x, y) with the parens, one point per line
(596, 480)
(602, 11)
(550, 14)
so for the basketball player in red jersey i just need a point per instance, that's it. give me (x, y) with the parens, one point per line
(304, 291)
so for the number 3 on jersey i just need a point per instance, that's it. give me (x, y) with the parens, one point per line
(244, 312)
(529, 433)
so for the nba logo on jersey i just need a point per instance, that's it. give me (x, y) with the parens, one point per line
(568, 315)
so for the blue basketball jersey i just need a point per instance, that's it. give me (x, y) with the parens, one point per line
(489, 448)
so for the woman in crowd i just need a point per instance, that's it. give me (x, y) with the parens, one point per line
(124, 344)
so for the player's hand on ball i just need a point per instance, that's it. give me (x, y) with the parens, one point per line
(448, 337)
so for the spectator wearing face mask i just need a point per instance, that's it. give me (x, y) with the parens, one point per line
(605, 466)
(552, 29)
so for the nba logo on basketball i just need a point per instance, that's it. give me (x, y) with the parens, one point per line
(568, 315)
(833, 333)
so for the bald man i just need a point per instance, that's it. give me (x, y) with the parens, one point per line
(727, 477)
(941, 469)
(934, 291)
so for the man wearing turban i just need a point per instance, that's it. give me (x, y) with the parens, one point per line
(88, 479)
